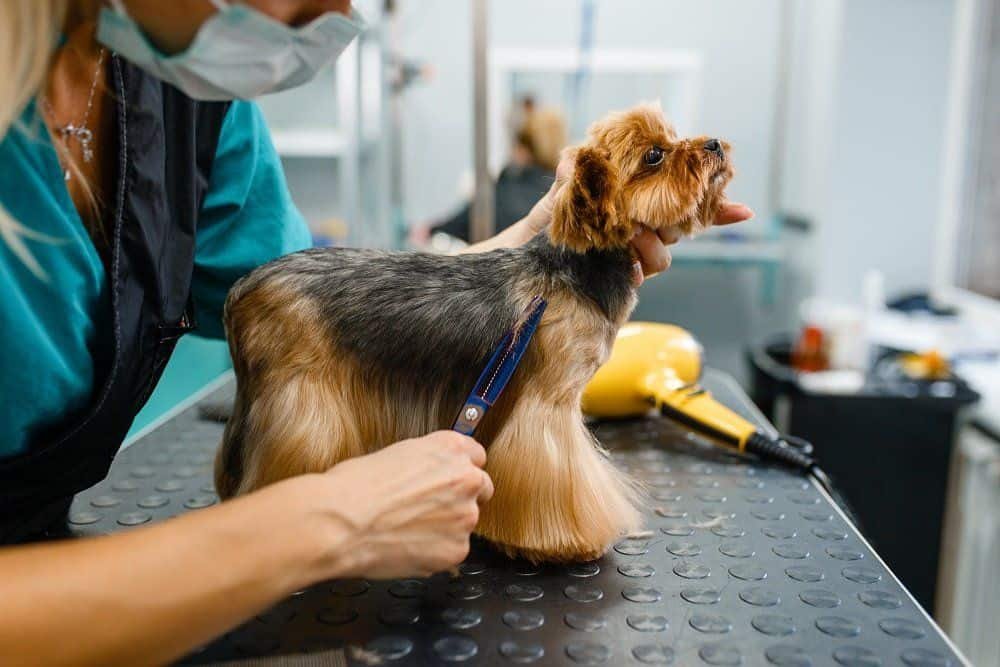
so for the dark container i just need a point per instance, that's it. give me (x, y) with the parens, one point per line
(888, 448)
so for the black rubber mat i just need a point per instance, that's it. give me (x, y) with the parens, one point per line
(740, 564)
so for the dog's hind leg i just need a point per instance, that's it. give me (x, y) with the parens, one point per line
(229, 460)
(301, 423)
(298, 397)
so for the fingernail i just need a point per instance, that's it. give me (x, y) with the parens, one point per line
(637, 275)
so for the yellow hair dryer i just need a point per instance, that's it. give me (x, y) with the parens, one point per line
(658, 365)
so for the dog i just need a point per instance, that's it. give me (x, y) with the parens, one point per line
(339, 352)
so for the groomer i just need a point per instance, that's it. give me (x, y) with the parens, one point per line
(135, 188)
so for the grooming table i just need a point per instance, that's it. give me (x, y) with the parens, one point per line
(741, 564)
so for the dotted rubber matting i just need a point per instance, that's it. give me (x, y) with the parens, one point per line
(741, 564)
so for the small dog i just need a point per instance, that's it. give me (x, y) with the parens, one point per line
(339, 352)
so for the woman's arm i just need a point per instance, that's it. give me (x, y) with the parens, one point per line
(149, 596)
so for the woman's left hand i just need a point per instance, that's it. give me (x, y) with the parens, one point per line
(650, 245)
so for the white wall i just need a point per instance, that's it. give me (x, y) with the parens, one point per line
(864, 153)
(864, 126)
(807, 136)
(738, 41)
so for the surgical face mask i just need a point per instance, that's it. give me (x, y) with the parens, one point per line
(238, 53)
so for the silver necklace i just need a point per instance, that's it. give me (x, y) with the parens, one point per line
(80, 131)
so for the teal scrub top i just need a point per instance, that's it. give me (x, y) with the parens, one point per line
(48, 327)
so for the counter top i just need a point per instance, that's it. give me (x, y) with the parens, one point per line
(741, 563)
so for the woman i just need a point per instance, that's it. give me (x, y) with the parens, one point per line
(538, 141)
(132, 195)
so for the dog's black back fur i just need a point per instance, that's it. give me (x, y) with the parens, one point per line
(379, 306)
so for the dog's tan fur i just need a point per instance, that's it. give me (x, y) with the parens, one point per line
(606, 164)
(303, 404)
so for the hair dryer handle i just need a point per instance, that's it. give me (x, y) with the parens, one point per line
(696, 407)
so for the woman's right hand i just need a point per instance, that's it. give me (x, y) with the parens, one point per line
(404, 511)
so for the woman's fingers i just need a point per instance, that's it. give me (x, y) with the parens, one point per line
(483, 486)
(425, 491)
(651, 246)
(541, 213)
(486, 490)
(653, 255)
(471, 448)
(483, 489)
(564, 169)
(669, 235)
(733, 212)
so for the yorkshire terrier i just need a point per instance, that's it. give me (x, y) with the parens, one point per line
(339, 352)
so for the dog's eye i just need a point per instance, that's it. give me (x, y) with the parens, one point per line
(653, 156)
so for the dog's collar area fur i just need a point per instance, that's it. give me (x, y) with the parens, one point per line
(603, 276)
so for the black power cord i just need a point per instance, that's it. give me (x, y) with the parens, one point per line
(788, 450)
(797, 453)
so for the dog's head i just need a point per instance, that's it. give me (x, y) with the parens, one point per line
(633, 169)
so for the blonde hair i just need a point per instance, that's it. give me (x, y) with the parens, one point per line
(28, 29)
(543, 132)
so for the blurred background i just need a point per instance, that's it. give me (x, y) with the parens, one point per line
(860, 308)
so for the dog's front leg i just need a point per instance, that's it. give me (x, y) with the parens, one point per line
(558, 496)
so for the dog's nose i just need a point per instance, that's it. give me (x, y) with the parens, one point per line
(715, 146)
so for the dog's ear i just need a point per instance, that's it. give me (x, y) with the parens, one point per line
(586, 210)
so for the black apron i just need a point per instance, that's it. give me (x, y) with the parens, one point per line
(166, 145)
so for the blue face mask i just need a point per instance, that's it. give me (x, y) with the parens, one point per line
(238, 53)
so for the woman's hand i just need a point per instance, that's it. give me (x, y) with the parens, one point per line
(406, 510)
(650, 245)
(149, 596)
